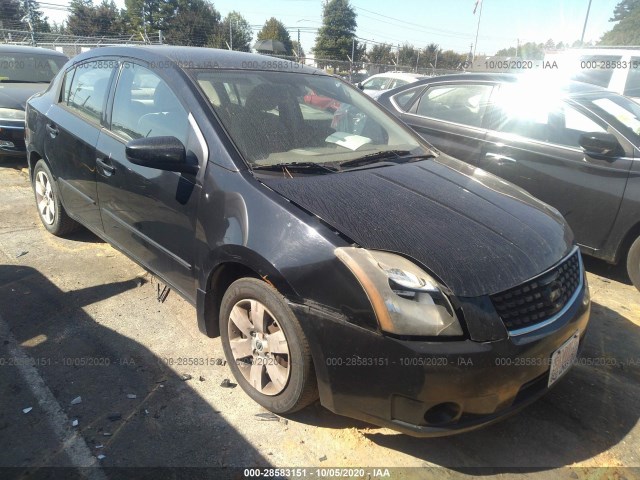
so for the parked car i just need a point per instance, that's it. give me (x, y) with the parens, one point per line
(574, 146)
(616, 69)
(377, 84)
(401, 286)
(23, 72)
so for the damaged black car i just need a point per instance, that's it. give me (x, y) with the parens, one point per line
(336, 253)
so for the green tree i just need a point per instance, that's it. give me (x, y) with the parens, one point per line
(11, 14)
(429, 56)
(149, 14)
(381, 54)
(193, 22)
(32, 14)
(104, 19)
(527, 51)
(274, 29)
(298, 51)
(235, 26)
(626, 31)
(336, 38)
(623, 9)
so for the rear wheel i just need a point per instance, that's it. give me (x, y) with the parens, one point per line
(52, 213)
(266, 348)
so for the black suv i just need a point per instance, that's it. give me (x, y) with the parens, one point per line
(333, 251)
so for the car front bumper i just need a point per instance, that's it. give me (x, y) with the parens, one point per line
(433, 388)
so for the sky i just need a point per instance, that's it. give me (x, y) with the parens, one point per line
(449, 23)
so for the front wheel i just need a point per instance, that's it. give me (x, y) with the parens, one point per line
(633, 263)
(266, 348)
(52, 213)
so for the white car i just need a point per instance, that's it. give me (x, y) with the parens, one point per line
(376, 85)
(616, 69)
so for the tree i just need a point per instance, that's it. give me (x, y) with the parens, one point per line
(10, 14)
(104, 19)
(240, 30)
(408, 55)
(336, 38)
(623, 9)
(626, 31)
(193, 22)
(274, 29)
(33, 15)
(297, 49)
(149, 14)
(381, 54)
(527, 51)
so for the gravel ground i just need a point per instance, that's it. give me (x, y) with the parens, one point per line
(78, 319)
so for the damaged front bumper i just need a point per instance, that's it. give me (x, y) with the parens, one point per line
(433, 387)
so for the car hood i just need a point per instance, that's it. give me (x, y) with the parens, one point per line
(477, 233)
(15, 95)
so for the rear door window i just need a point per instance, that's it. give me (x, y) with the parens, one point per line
(632, 87)
(88, 89)
(465, 104)
(600, 71)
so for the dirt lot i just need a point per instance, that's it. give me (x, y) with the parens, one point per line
(77, 318)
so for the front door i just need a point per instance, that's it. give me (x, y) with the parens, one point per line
(147, 212)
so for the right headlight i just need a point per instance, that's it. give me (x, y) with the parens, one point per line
(406, 299)
(11, 114)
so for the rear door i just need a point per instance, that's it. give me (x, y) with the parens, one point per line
(535, 145)
(150, 213)
(450, 116)
(73, 126)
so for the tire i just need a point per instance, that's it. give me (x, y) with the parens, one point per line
(50, 210)
(633, 263)
(280, 382)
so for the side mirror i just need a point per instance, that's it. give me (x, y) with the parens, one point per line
(360, 86)
(163, 153)
(599, 144)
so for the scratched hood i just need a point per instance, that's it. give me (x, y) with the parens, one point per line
(479, 234)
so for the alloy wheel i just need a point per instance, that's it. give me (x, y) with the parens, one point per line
(45, 198)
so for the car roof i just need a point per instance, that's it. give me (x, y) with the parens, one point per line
(568, 87)
(200, 58)
(401, 75)
(30, 50)
(598, 51)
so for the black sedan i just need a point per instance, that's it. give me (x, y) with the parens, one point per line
(334, 252)
(573, 145)
(23, 72)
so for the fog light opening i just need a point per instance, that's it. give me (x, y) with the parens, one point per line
(442, 414)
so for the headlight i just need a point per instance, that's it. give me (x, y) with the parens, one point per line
(11, 114)
(406, 300)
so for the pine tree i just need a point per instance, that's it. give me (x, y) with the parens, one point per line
(336, 38)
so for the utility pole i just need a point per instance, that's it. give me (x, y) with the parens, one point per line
(517, 48)
(353, 56)
(475, 45)
(586, 19)
(230, 32)
(298, 44)
(28, 17)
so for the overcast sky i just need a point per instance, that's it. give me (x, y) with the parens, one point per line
(450, 23)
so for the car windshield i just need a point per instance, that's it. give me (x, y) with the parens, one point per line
(29, 68)
(280, 118)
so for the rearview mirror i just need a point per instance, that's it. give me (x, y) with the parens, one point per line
(601, 144)
(163, 153)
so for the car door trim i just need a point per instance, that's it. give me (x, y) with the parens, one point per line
(145, 238)
(83, 195)
(200, 137)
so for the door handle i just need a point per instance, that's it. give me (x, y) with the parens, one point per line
(500, 159)
(106, 166)
(52, 129)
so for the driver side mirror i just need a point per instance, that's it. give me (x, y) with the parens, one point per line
(360, 86)
(600, 144)
(163, 153)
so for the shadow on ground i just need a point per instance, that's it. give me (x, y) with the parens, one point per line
(606, 270)
(168, 424)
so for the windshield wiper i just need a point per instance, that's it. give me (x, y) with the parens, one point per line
(400, 156)
(296, 166)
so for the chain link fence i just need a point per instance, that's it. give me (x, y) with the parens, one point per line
(72, 45)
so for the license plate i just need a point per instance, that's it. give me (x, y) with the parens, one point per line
(563, 358)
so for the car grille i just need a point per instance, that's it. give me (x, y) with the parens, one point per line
(541, 298)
